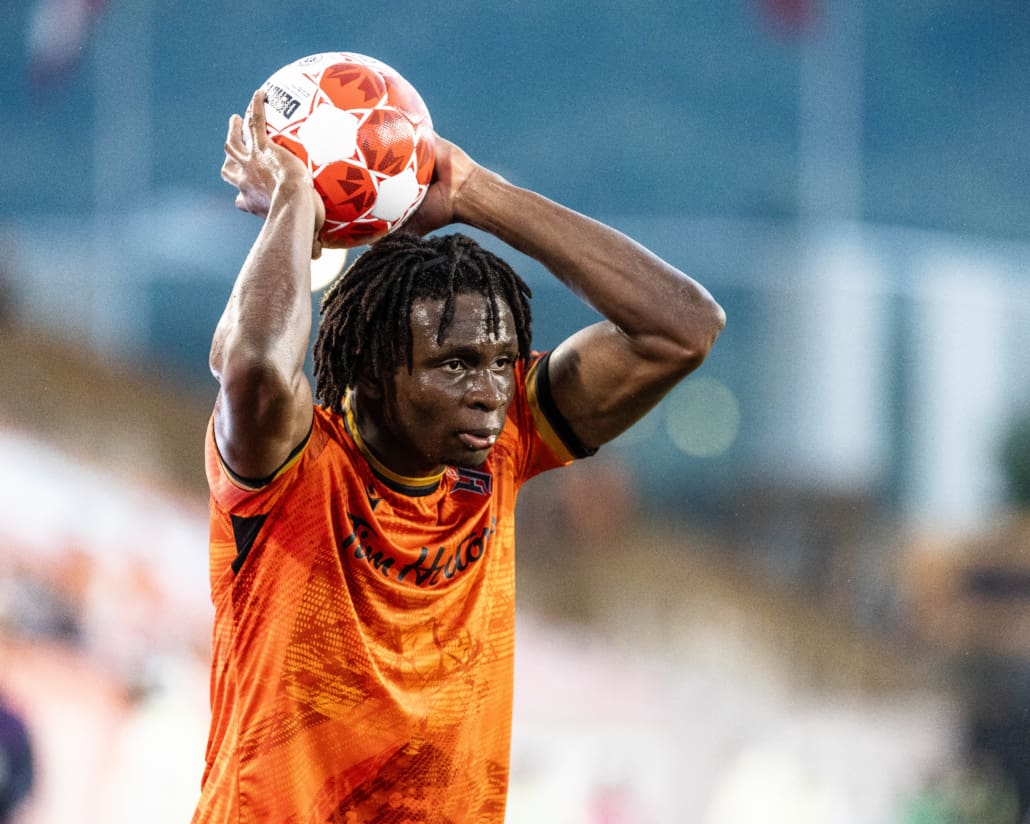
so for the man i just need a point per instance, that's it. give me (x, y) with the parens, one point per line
(362, 550)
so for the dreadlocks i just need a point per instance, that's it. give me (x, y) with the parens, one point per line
(365, 327)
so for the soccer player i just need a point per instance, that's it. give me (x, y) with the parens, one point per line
(362, 549)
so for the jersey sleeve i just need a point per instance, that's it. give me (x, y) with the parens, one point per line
(247, 497)
(549, 441)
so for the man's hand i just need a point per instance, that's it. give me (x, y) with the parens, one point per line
(259, 168)
(441, 206)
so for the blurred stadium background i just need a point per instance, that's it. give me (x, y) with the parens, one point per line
(797, 592)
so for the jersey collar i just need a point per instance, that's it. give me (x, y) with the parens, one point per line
(405, 484)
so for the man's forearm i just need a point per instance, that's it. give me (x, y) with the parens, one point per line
(625, 282)
(269, 311)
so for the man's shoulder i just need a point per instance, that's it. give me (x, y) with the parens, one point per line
(329, 437)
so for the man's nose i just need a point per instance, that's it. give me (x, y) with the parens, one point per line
(487, 389)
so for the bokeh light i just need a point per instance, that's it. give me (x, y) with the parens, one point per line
(326, 267)
(702, 417)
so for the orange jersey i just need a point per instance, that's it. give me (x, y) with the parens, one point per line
(364, 630)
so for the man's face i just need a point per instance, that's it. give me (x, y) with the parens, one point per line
(451, 407)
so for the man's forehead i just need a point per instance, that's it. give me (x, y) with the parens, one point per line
(470, 321)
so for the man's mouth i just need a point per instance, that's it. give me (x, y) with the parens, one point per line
(478, 440)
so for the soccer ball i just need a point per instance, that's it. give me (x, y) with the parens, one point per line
(364, 133)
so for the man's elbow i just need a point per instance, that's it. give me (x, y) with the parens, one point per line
(700, 333)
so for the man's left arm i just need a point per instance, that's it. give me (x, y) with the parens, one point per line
(660, 324)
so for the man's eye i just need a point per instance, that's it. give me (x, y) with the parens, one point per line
(453, 366)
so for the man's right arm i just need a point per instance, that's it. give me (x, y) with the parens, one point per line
(264, 405)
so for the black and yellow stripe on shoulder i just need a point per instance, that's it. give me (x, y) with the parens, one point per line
(552, 426)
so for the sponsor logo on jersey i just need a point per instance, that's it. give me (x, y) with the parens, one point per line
(472, 480)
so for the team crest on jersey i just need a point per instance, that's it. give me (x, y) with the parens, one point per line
(472, 480)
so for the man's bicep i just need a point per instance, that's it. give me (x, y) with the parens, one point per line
(601, 386)
(259, 421)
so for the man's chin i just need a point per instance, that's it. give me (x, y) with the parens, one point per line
(472, 459)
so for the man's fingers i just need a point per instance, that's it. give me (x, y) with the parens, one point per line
(234, 146)
(256, 119)
(231, 171)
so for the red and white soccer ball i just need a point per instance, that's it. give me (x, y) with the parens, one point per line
(365, 134)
